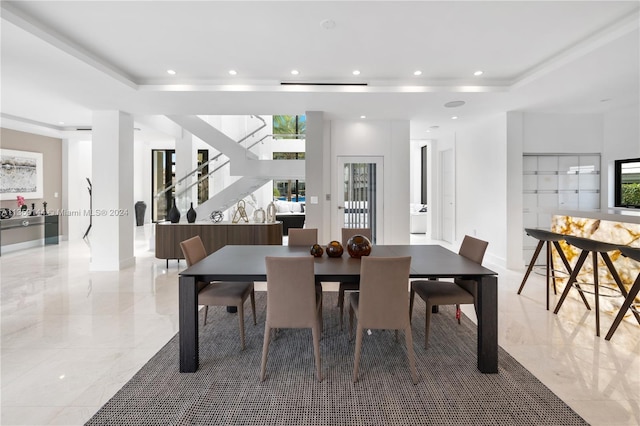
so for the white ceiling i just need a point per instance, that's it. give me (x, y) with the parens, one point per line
(63, 59)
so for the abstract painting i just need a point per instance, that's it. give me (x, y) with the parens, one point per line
(21, 173)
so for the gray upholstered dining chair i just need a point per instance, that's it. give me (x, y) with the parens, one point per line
(346, 234)
(456, 292)
(219, 293)
(306, 237)
(382, 303)
(303, 237)
(292, 302)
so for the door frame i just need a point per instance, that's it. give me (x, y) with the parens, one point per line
(337, 201)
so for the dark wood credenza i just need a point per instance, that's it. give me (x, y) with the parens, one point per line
(214, 236)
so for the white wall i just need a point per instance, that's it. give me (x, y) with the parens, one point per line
(621, 140)
(481, 184)
(79, 161)
(390, 140)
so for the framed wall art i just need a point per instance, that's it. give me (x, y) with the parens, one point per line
(21, 173)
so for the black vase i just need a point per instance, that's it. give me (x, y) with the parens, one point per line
(191, 214)
(174, 213)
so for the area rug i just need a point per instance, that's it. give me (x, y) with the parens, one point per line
(226, 389)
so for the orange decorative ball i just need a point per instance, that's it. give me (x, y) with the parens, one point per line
(334, 249)
(358, 246)
(317, 250)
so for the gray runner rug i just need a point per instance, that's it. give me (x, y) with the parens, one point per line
(226, 389)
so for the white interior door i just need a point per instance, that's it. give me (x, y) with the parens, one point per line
(447, 205)
(358, 195)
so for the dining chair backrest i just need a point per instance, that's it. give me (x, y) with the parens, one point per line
(350, 232)
(384, 297)
(291, 295)
(474, 250)
(193, 250)
(303, 236)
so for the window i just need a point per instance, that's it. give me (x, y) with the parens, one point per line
(627, 183)
(289, 127)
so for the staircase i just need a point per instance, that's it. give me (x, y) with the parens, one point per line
(246, 171)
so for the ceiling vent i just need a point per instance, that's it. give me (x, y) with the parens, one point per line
(303, 83)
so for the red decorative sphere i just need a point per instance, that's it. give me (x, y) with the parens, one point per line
(358, 246)
(317, 250)
(334, 249)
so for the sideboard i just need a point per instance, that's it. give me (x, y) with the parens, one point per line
(213, 235)
(19, 230)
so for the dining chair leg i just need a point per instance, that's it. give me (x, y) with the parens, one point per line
(356, 364)
(206, 311)
(241, 321)
(265, 350)
(316, 350)
(412, 295)
(341, 305)
(427, 322)
(410, 354)
(396, 335)
(253, 306)
(350, 322)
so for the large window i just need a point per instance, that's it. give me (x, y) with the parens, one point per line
(289, 127)
(627, 183)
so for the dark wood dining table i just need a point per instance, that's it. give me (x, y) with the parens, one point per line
(247, 263)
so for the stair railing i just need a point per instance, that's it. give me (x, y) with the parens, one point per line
(205, 164)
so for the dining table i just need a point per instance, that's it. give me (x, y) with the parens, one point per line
(247, 263)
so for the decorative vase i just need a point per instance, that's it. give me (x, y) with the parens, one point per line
(259, 215)
(174, 213)
(358, 246)
(334, 249)
(271, 213)
(191, 214)
(317, 250)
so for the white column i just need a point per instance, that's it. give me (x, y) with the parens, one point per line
(111, 235)
(186, 162)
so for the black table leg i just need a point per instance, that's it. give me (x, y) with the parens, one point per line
(188, 323)
(487, 309)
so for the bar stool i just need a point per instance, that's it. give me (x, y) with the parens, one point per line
(547, 237)
(633, 253)
(594, 247)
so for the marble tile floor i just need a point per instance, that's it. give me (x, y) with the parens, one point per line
(70, 338)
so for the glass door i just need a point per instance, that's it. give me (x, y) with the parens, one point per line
(360, 195)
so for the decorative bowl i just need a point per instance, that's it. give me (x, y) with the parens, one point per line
(334, 249)
(317, 250)
(358, 246)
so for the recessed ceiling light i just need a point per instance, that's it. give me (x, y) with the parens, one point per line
(356, 72)
(233, 72)
(478, 73)
(455, 117)
(295, 72)
(418, 72)
(363, 116)
(60, 122)
(428, 131)
(454, 104)
(172, 72)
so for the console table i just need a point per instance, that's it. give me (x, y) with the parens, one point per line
(20, 229)
(214, 236)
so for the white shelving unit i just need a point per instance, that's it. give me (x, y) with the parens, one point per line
(554, 182)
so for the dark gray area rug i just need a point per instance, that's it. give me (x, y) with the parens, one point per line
(226, 389)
